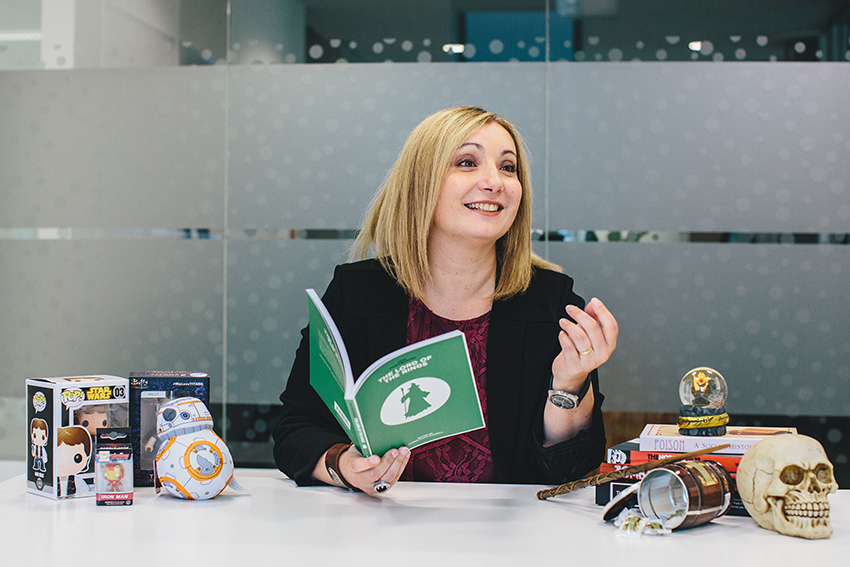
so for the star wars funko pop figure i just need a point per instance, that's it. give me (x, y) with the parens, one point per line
(92, 418)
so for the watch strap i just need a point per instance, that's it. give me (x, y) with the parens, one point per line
(560, 395)
(332, 465)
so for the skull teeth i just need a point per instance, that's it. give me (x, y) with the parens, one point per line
(807, 510)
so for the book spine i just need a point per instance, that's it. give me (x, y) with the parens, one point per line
(362, 440)
(627, 457)
(685, 444)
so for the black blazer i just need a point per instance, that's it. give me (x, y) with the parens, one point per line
(371, 311)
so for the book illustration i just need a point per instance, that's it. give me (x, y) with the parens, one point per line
(420, 393)
(414, 399)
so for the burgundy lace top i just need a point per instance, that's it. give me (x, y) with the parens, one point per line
(465, 457)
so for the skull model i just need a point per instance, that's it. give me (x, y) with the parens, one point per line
(784, 482)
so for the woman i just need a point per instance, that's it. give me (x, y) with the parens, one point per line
(451, 233)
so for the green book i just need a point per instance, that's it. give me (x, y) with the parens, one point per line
(420, 393)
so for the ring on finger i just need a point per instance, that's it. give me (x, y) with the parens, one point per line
(584, 352)
(381, 486)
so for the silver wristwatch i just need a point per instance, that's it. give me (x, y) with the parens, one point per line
(565, 400)
(336, 478)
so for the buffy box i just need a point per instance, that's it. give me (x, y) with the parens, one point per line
(63, 415)
(148, 392)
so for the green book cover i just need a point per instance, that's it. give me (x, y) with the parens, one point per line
(420, 393)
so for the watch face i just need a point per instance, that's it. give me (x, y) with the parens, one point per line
(563, 400)
(335, 478)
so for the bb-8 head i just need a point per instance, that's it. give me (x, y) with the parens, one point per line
(193, 462)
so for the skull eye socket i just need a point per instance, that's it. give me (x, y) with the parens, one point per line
(823, 473)
(792, 474)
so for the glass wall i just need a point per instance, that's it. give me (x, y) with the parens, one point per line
(173, 174)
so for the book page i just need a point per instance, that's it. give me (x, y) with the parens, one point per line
(330, 370)
(332, 352)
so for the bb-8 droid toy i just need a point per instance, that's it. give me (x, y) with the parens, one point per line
(192, 462)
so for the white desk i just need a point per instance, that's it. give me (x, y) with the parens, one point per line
(437, 525)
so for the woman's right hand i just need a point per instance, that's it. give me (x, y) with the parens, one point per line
(364, 472)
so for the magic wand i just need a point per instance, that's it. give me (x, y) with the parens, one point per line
(622, 473)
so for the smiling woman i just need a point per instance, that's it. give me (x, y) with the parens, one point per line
(451, 234)
(400, 219)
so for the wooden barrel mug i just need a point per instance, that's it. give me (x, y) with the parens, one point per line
(685, 494)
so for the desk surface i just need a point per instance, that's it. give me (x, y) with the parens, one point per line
(414, 524)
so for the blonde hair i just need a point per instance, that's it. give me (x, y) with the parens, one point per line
(398, 221)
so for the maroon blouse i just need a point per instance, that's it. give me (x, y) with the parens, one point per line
(465, 457)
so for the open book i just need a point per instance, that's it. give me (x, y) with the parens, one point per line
(417, 394)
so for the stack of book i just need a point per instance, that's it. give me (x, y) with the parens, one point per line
(659, 441)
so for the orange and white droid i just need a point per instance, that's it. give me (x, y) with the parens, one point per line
(192, 462)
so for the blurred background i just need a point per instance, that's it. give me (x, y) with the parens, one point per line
(174, 174)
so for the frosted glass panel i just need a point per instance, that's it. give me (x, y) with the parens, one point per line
(709, 147)
(267, 308)
(170, 153)
(100, 149)
(310, 145)
(771, 318)
(109, 307)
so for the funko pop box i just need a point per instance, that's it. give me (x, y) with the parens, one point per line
(63, 415)
(148, 392)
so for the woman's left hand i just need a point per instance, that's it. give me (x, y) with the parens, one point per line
(585, 344)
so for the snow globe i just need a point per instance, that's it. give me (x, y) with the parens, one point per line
(703, 393)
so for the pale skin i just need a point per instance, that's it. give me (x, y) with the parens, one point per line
(478, 203)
